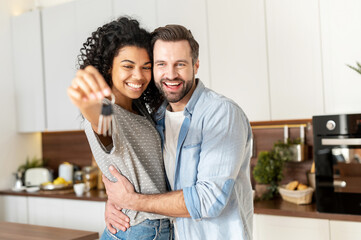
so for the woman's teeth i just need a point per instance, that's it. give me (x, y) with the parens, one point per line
(134, 85)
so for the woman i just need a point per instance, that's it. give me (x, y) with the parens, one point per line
(116, 62)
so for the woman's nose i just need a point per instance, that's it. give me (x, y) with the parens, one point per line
(137, 74)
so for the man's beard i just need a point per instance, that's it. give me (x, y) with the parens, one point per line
(175, 97)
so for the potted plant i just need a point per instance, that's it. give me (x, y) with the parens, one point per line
(284, 151)
(268, 173)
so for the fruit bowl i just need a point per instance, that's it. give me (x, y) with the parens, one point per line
(58, 184)
(296, 196)
(51, 186)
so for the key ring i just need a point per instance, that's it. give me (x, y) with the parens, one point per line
(105, 118)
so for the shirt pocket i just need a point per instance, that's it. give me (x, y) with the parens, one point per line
(189, 164)
(195, 145)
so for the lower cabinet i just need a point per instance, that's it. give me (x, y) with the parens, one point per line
(14, 209)
(52, 212)
(89, 216)
(342, 230)
(279, 227)
(74, 214)
(276, 227)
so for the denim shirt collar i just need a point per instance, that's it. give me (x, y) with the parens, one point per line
(188, 110)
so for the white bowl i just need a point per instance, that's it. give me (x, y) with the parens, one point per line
(18, 189)
(32, 189)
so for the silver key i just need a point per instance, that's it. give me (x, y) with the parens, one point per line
(105, 118)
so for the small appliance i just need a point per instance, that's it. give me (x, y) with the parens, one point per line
(66, 171)
(37, 176)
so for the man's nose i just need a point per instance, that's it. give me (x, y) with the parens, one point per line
(171, 73)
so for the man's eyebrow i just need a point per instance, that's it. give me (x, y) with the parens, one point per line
(180, 60)
(159, 61)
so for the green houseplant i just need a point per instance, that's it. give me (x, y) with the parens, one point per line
(31, 163)
(268, 170)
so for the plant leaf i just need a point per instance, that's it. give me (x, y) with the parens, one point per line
(358, 69)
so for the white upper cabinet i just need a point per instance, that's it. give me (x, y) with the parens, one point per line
(341, 38)
(65, 28)
(278, 59)
(294, 56)
(60, 55)
(28, 72)
(91, 14)
(143, 11)
(238, 57)
(192, 15)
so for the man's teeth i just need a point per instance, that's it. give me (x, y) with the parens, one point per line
(172, 84)
(134, 85)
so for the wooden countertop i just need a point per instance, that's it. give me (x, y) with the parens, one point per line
(26, 231)
(282, 208)
(93, 195)
(276, 206)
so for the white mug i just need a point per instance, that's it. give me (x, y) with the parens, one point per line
(79, 189)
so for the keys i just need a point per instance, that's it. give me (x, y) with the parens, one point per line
(105, 118)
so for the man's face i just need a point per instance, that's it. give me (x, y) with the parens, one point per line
(173, 69)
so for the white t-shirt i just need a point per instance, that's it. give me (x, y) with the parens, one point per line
(173, 124)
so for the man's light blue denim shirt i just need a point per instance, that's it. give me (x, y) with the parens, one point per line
(213, 167)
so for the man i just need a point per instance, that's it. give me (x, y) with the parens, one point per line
(206, 145)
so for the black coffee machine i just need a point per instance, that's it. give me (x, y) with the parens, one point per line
(337, 154)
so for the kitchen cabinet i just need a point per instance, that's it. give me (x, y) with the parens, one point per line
(28, 72)
(294, 58)
(278, 59)
(65, 213)
(61, 48)
(13, 209)
(135, 9)
(53, 212)
(341, 37)
(345, 230)
(238, 54)
(255, 229)
(192, 15)
(278, 227)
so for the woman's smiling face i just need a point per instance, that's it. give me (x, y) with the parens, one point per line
(131, 73)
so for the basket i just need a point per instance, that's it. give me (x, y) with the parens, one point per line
(296, 196)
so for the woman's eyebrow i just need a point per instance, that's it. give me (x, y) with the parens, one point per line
(130, 61)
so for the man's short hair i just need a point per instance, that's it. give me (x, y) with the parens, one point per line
(172, 33)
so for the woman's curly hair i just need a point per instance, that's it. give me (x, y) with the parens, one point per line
(104, 44)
